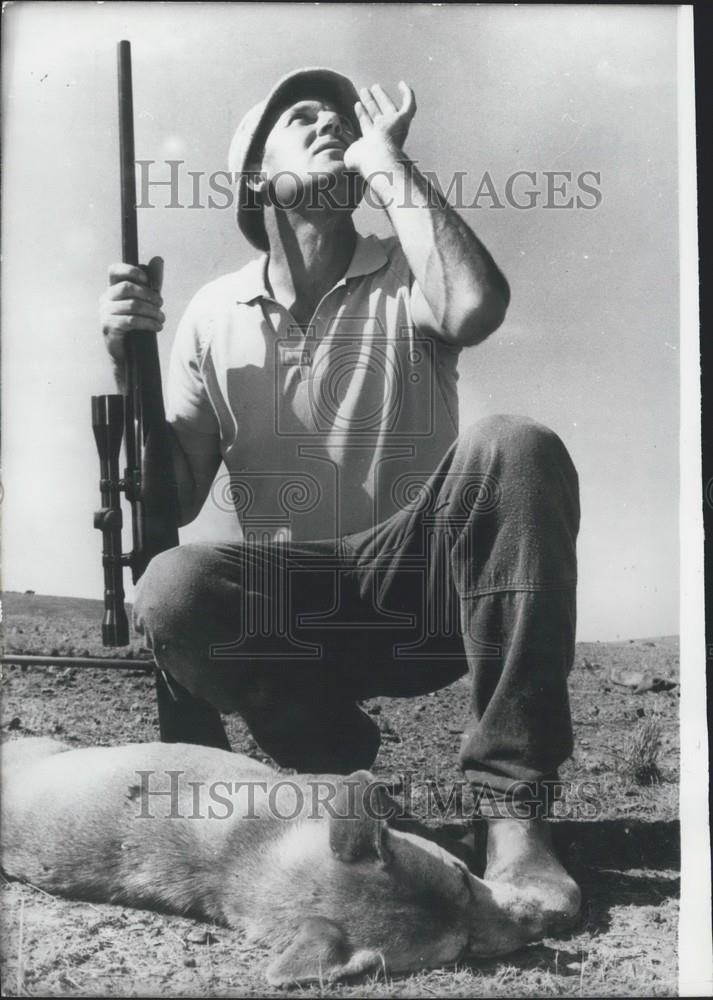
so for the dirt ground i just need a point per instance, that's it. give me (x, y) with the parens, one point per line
(619, 838)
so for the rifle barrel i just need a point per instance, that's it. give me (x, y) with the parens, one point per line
(136, 345)
(129, 231)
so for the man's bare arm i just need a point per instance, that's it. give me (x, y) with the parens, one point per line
(465, 296)
(195, 465)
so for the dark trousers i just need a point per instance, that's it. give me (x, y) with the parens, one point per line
(476, 574)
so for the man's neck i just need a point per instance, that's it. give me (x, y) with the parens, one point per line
(307, 258)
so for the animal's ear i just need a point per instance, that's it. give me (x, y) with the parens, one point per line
(320, 952)
(357, 825)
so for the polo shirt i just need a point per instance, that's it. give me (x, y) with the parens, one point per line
(326, 430)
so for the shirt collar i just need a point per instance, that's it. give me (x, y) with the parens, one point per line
(250, 281)
(369, 256)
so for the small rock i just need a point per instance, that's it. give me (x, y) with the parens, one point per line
(190, 963)
(640, 712)
(420, 708)
(200, 936)
(14, 723)
(374, 710)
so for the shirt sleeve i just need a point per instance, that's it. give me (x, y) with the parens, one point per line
(188, 407)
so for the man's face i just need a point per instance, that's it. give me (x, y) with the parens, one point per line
(304, 149)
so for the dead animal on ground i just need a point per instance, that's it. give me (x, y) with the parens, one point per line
(306, 865)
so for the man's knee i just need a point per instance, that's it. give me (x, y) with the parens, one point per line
(510, 432)
(175, 591)
(180, 607)
(520, 442)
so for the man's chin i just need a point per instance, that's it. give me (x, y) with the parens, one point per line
(337, 188)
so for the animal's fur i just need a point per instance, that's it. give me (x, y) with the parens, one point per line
(333, 895)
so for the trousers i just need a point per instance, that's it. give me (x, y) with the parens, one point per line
(475, 575)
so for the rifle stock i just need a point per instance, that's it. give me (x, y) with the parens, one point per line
(138, 416)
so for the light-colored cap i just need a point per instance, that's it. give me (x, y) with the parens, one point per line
(302, 83)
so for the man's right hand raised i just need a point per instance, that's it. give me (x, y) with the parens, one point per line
(132, 302)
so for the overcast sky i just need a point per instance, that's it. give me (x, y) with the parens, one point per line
(590, 344)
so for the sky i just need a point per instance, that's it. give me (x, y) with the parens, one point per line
(590, 343)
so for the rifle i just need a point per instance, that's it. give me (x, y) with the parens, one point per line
(139, 418)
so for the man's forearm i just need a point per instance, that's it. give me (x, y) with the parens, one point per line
(188, 507)
(190, 498)
(195, 465)
(464, 288)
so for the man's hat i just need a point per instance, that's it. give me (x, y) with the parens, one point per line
(298, 85)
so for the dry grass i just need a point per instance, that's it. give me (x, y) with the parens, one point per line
(639, 760)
